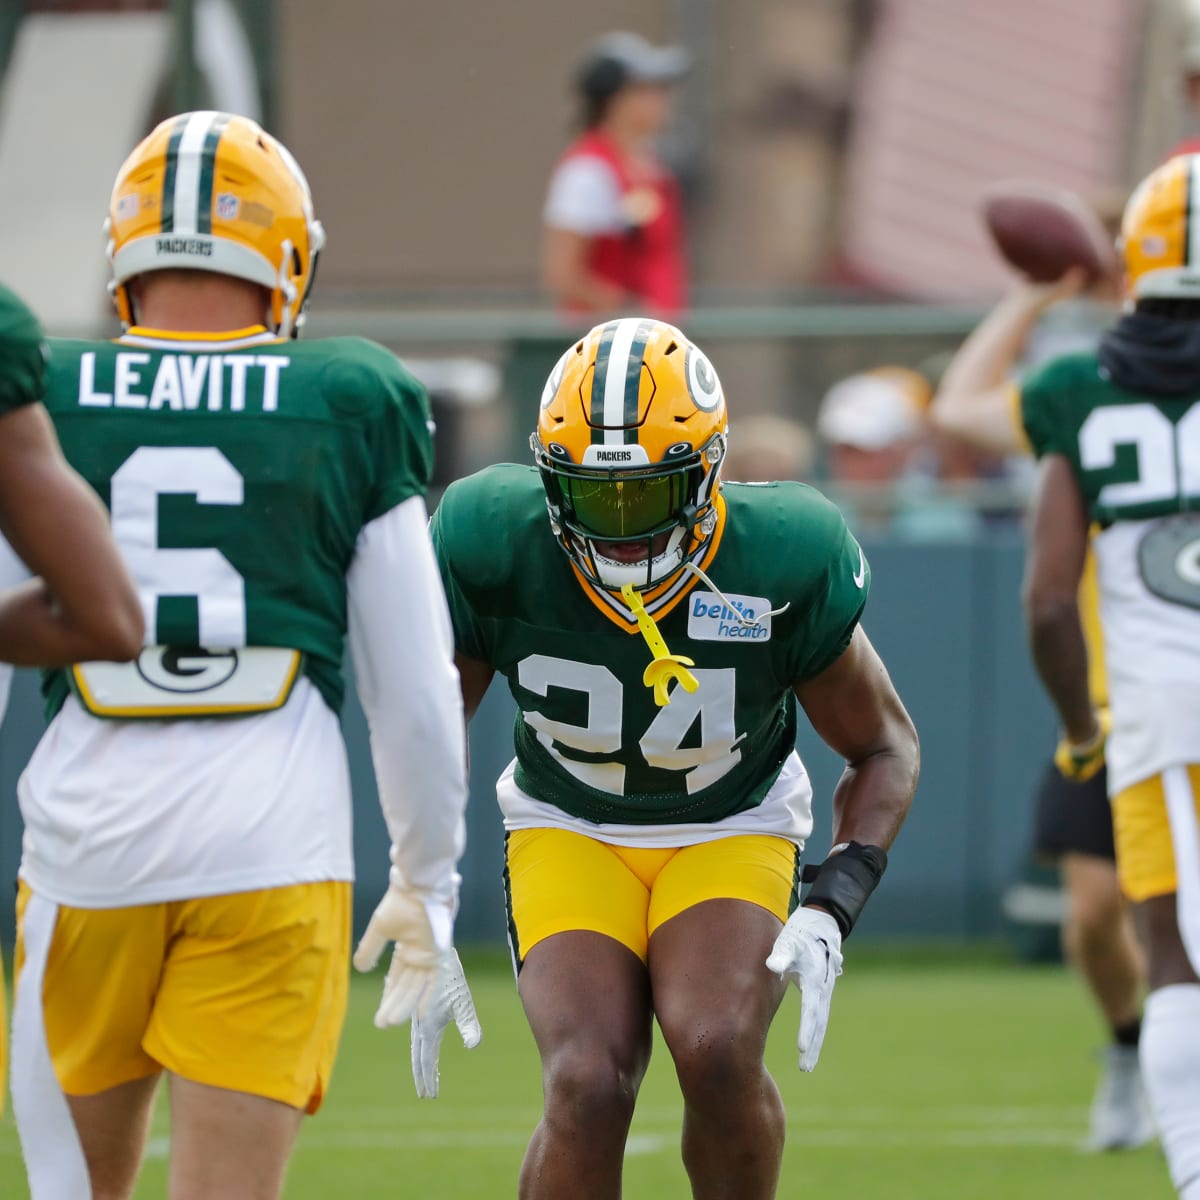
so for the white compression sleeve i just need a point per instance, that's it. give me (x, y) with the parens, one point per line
(403, 649)
(1170, 1054)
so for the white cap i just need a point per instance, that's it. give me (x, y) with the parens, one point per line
(1190, 43)
(869, 412)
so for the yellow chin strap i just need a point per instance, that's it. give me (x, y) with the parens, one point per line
(666, 666)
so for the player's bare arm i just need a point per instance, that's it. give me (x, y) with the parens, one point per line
(84, 606)
(1054, 567)
(855, 709)
(475, 678)
(975, 399)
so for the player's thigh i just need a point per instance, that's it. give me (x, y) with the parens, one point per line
(1157, 856)
(86, 981)
(716, 910)
(254, 989)
(86, 984)
(228, 1144)
(559, 881)
(577, 923)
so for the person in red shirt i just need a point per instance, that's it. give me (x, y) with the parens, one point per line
(614, 236)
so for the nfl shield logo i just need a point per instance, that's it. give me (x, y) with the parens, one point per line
(228, 206)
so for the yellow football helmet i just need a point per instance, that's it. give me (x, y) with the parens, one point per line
(213, 192)
(1160, 232)
(629, 442)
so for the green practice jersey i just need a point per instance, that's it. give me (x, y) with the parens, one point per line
(1135, 455)
(239, 472)
(22, 354)
(589, 737)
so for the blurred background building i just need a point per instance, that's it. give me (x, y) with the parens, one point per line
(831, 153)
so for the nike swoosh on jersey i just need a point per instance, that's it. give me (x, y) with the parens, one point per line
(860, 576)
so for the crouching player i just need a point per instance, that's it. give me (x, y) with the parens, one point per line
(657, 630)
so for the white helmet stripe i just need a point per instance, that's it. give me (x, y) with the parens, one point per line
(187, 172)
(615, 374)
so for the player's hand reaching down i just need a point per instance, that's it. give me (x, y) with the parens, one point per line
(423, 983)
(451, 1001)
(409, 987)
(809, 950)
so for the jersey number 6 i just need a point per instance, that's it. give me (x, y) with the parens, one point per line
(200, 471)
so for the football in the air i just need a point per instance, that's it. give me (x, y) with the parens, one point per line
(1043, 231)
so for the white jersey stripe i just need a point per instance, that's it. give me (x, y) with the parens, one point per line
(1185, 841)
(187, 171)
(614, 380)
(53, 1154)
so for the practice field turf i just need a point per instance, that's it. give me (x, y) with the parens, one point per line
(941, 1079)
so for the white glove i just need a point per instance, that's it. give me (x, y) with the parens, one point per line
(451, 1001)
(411, 980)
(809, 950)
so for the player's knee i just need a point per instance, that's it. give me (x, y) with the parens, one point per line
(587, 1086)
(1095, 909)
(717, 1061)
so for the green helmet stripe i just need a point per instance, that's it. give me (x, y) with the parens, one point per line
(208, 158)
(172, 165)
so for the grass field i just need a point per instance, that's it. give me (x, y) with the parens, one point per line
(941, 1079)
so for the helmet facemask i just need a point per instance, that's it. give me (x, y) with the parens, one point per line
(664, 509)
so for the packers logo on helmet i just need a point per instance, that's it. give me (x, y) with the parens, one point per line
(213, 192)
(1160, 232)
(629, 442)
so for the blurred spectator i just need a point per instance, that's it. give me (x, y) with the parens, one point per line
(1190, 53)
(613, 219)
(871, 425)
(888, 471)
(765, 447)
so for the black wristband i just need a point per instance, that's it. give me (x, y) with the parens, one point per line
(844, 882)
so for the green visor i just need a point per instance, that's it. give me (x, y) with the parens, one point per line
(618, 508)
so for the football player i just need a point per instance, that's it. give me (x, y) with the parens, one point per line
(84, 604)
(1118, 435)
(979, 402)
(185, 884)
(657, 630)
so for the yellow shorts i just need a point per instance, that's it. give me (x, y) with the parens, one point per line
(556, 881)
(245, 991)
(1142, 820)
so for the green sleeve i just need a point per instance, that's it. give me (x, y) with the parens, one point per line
(470, 630)
(834, 601)
(1046, 395)
(22, 355)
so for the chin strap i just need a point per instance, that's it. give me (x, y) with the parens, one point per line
(666, 666)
